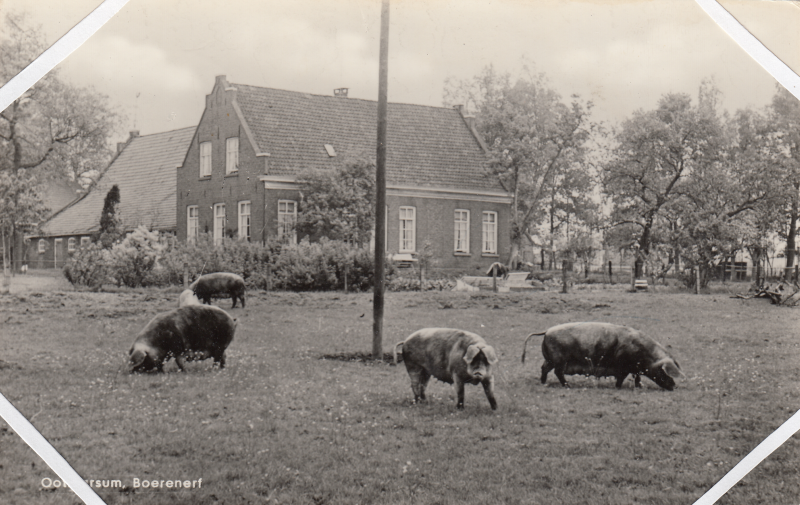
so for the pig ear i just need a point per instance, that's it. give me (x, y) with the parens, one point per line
(137, 358)
(671, 368)
(491, 357)
(472, 351)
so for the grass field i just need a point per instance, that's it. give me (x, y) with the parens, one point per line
(282, 425)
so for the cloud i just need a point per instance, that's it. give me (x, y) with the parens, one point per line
(114, 61)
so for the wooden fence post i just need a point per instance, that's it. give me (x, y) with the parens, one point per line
(697, 281)
(494, 278)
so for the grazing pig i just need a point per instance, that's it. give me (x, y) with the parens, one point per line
(605, 350)
(188, 298)
(219, 285)
(452, 356)
(193, 332)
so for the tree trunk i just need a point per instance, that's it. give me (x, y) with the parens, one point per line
(791, 236)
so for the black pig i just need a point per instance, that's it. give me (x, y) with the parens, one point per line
(219, 285)
(193, 332)
(603, 350)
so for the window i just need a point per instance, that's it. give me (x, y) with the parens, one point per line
(462, 231)
(244, 221)
(205, 159)
(407, 229)
(219, 222)
(85, 241)
(330, 150)
(490, 232)
(192, 223)
(287, 218)
(232, 155)
(42, 245)
(71, 244)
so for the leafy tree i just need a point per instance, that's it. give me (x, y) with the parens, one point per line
(785, 119)
(54, 130)
(110, 225)
(656, 152)
(532, 135)
(338, 203)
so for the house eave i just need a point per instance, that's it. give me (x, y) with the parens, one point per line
(441, 193)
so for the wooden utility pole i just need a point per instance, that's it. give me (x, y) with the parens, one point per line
(380, 188)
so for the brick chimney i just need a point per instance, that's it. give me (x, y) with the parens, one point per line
(340, 92)
(134, 134)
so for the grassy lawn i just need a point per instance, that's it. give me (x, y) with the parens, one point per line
(282, 425)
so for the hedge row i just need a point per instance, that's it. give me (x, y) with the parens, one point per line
(145, 258)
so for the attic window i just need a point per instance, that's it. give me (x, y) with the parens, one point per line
(331, 150)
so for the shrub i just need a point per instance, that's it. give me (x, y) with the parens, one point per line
(87, 266)
(134, 259)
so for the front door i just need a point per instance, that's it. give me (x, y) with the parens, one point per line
(57, 251)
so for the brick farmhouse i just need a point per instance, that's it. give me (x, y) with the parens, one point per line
(239, 175)
(144, 170)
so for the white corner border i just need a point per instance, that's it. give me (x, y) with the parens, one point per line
(47, 452)
(752, 46)
(46, 61)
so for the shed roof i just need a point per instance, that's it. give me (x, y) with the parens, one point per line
(145, 173)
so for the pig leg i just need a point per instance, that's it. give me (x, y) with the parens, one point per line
(459, 386)
(180, 361)
(424, 377)
(233, 297)
(637, 380)
(221, 360)
(620, 379)
(560, 374)
(488, 388)
(241, 299)
(419, 378)
(546, 367)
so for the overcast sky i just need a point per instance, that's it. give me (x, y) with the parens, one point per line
(621, 54)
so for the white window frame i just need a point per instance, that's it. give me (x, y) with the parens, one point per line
(287, 219)
(86, 241)
(205, 159)
(408, 229)
(244, 220)
(71, 245)
(489, 230)
(192, 223)
(42, 247)
(232, 155)
(220, 220)
(461, 231)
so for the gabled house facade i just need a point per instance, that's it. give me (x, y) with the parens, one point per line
(144, 170)
(239, 175)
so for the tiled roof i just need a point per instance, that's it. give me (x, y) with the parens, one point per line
(145, 172)
(426, 146)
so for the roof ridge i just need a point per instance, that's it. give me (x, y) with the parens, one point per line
(166, 132)
(341, 98)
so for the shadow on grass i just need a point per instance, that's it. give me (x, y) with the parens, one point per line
(361, 357)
